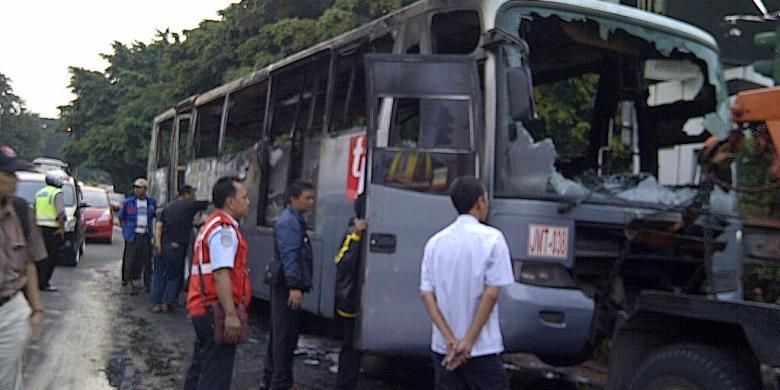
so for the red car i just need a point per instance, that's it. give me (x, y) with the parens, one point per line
(98, 214)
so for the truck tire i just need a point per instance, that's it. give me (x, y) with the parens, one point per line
(695, 367)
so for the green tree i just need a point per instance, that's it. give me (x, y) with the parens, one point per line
(113, 110)
(19, 128)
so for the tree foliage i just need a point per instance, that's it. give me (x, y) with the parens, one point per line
(113, 110)
(19, 128)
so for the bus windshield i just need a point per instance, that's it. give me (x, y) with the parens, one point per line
(622, 107)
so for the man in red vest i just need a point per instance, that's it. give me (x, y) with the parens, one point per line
(219, 273)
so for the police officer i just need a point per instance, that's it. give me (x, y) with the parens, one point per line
(347, 294)
(20, 246)
(220, 273)
(50, 217)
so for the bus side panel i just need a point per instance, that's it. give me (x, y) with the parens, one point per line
(333, 212)
(392, 316)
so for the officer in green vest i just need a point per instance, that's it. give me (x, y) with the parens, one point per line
(50, 217)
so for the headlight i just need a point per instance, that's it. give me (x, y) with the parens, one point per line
(542, 274)
(106, 216)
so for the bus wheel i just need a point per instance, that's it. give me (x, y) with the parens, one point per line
(694, 367)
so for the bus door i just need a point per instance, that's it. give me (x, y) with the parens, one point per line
(423, 132)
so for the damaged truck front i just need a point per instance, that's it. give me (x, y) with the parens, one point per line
(616, 229)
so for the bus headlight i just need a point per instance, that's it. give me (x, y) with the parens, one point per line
(542, 274)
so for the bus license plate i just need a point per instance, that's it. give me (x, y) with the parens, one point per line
(548, 241)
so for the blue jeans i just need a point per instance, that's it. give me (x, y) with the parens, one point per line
(167, 282)
(158, 280)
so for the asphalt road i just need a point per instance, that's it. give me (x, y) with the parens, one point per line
(97, 336)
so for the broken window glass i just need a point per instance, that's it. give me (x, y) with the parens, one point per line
(611, 99)
(206, 141)
(164, 143)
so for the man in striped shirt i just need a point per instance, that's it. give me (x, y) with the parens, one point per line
(463, 268)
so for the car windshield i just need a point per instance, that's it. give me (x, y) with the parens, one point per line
(28, 188)
(94, 198)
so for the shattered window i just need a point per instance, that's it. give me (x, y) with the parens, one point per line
(245, 118)
(164, 143)
(611, 99)
(206, 141)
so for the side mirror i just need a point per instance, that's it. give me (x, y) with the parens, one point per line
(520, 94)
(83, 205)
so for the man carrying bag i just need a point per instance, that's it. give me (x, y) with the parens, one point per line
(219, 291)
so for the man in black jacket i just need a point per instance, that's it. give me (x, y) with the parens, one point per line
(295, 254)
(348, 295)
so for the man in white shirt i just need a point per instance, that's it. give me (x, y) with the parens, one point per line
(463, 268)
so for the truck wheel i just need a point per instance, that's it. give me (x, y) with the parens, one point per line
(694, 367)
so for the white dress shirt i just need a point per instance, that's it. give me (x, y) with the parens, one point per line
(458, 263)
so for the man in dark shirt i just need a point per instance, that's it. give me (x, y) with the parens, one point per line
(172, 238)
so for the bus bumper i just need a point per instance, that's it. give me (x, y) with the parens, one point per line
(545, 321)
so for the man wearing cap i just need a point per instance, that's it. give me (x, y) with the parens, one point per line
(21, 245)
(171, 239)
(136, 218)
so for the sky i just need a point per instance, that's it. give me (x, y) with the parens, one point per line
(40, 39)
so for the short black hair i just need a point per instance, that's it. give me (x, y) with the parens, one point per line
(223, 189)
(187, 189)
(464, 192)
(297, 187)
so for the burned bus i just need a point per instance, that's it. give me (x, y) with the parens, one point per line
(573, 113)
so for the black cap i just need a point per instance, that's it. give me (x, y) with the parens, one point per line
(10, 163)
(186, 189)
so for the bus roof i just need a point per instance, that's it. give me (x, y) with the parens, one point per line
(382, 25)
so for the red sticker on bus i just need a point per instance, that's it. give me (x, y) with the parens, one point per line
(356, 166)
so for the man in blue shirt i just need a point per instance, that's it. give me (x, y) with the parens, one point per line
(294, 251)
(136, 218)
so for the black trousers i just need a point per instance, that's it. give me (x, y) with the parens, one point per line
(46, 266)
(478, 373)
(138, 259)
(212, 364)
(349, 358)
(283, 338)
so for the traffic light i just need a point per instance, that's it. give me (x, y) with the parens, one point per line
(69, 130)
(769, 68)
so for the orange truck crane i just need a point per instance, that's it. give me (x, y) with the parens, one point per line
(759, 111)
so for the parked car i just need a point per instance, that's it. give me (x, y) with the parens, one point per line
(75, 225)
(98, 214)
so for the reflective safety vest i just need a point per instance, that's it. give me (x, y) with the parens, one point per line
(239, 275)
(45, 208)
(410, 168)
